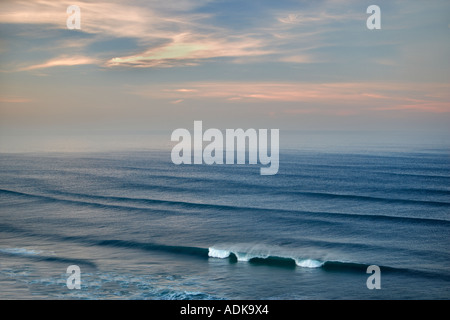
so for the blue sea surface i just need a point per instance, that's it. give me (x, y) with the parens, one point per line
(140, 227)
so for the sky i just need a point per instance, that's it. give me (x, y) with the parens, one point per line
(145, 66)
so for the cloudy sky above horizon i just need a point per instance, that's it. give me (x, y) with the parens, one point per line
(160, 65)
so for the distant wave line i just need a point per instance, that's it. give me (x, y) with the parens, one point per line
(190, 205)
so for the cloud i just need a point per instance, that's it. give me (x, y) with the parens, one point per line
(173, 37)
(107, 18)
(186, 49)
(186, 90)
(178, 36)
(322, 12)
(290, 19)
(429, 107)
(298, 59)
(14, 100)
(61, 61)
(160, 34)
(329, 98)
(295, 19)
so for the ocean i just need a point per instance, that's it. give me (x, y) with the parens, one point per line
(140, 227)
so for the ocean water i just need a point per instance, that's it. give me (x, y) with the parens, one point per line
(140, 227)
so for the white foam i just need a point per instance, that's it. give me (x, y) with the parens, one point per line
(247, 256)
(246, 252)
(242, 256)
(218, 253)
(309, 263)
(21, 251)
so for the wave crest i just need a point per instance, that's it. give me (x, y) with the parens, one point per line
(309, 263)
(262, 254)
(20, 251)
(218, 253)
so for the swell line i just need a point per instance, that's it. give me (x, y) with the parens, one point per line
(44, 258)
(256, 255)
(370, 198)
(216, 207)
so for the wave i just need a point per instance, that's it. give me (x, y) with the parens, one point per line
(262, 255)
(37, 255)
(124, 204)
(255, 254)
(321, 195)
(276, 256)
(192, 251)
(251, 253)
(325, 195)
(20, 251)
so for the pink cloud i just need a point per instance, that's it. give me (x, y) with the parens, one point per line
(331, 98)
(61, 61)
(14, 100)
(433, 107)
(188, 48)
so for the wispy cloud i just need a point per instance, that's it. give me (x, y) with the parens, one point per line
(11, 99)
(298, 59)
(109, 20)
(106, 18)
(186, 49)
(173, 37)
(61, 61)
(423, 106)
(314, 18)
(334, 98)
